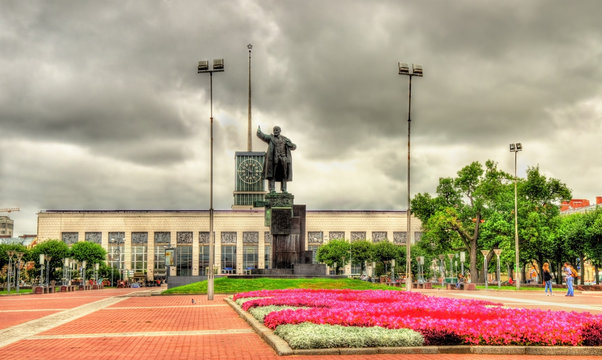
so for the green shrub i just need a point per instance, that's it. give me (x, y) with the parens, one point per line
(319, 336)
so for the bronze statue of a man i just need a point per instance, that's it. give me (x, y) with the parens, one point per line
(278, 163)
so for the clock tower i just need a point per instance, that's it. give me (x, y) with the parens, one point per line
(249, 184)
(248, 168)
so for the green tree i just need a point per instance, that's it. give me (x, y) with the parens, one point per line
(87, 251)
(539, 216)
(452, 220)
(384, 251)
(57, 249)
(593, 246)
(361, 251)
(334, 254)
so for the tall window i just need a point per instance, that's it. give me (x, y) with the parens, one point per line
(229, 259)
(250, 257)
(139, 258)
(116, 257)
(139, 251)
(162, 240)
(116, 251)
(356, 267)
(184, 260)
(268, 256)
(314, 251)
(203, 259)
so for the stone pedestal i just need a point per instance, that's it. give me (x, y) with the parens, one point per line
(287, 226)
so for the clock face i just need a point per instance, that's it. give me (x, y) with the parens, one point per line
(250, 171)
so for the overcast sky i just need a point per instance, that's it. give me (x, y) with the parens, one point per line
(101, 106)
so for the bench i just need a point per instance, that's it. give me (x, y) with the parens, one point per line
(469, 286)
(425, 285)
(463, 286)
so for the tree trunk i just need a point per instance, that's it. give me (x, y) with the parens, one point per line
(596, 275)
(474, 274)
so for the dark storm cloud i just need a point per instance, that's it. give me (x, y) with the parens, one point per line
(101, 106)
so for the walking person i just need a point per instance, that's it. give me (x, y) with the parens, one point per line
(568, 274)
(547, 278)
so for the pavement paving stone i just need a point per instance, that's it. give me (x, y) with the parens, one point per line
(151, 319)
(111, 325)
(12, 318)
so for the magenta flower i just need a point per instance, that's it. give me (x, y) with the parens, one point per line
(440, 320)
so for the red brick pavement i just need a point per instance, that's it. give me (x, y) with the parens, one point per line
(148, 319)
(8, 319)
(167, 313)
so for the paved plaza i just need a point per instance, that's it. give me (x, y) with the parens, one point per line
(131, 324)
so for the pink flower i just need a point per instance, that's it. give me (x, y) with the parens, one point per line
(444, 320)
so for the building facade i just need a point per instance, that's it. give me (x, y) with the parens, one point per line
(6, 226)
(136, 241)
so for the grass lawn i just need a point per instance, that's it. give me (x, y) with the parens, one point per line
(227, 285)
(13, 291)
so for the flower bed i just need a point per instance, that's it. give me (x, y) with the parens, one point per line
(441, 321)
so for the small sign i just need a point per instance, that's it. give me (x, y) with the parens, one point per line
(170, 257)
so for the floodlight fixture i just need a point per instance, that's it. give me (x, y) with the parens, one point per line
(417, 70)
(203, 66)
(404, 69)
(218, 65)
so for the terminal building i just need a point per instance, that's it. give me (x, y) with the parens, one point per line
(136, 240)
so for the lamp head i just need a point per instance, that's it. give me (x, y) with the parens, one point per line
(203, 66)
(404, 69)
(417, 70)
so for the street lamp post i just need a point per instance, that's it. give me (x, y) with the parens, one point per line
(404, 69)
(19, 256)
(485, 252)
(420, 261)
(84, 273)
(42, 257)
(10, 254)
(515, 148)
(203, 68)
(451, 260)
(499, 280)
(48, 258)
(442, 269)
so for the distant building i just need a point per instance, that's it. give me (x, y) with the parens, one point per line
(25, 240)
(6, 226)
(579, 206)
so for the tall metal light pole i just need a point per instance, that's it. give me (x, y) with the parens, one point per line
(218, 66)
(48, 258)
(10, 254)
(249, 137)
(485, 272)
(515, 148)
(404, 69)
(42, 257)
(499, 280)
